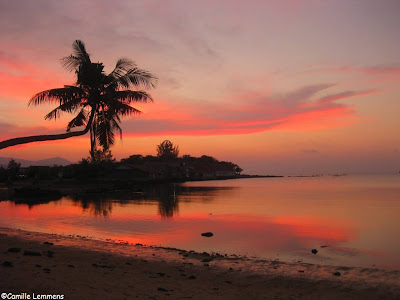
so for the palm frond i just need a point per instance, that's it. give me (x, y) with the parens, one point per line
(117, 118)
(119, 108)
(104, 132)
(134, 77)
(70, 63)
(129, 96)
(60, 95)
(115, 126)
(79, 56)
(79, 120)
(80, 50)
(123, 65)
(69, 106)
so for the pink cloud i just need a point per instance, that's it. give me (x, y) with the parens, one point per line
(388, 71)
(246, 113)
(22, 79)
(298, 110)
(9, 63)
(373, 70)
(344, 95)
(25, 86)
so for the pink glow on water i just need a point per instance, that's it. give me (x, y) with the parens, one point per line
(273, 218)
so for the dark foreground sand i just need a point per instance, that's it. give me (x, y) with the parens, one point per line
(81, 268)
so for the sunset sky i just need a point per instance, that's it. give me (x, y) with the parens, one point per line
(278, 87)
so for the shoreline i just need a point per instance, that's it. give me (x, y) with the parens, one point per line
(54, 189)
(80, 267)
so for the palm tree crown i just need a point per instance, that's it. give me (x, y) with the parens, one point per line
(98, 100)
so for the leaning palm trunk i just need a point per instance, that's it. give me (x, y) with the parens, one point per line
(46, 137)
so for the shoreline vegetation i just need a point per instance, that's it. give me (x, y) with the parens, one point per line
(80, 267)
(101, 173)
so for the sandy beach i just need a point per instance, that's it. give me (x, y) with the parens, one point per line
(81, 268)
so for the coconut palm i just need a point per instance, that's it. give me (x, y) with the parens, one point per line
(98, 100)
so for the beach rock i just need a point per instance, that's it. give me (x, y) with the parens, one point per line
(31, 253)
(207, 234)
(162, 289)
(337, 274)
(14, 250)
(7, 264)
(192, 277)
(314, 251)
(102, 266)
(50, 253)
(48, 243)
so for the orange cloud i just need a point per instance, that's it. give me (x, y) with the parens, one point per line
(247, 113)
(298, 110)
(25, 86)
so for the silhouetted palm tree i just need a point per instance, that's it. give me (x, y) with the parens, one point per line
(98, 99)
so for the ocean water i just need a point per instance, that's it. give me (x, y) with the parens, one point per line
(351, 220)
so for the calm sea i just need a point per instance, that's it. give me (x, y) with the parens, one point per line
(351, 220)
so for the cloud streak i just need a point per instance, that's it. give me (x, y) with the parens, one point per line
(301, 110)
(245, 114)
(392, 70)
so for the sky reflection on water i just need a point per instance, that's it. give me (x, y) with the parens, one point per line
(355, 216)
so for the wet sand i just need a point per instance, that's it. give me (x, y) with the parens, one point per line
(82, 268)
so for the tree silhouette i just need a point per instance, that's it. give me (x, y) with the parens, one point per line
(13, 169)
(167, 150)
(98, 99)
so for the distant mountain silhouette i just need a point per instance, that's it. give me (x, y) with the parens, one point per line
(43, 162)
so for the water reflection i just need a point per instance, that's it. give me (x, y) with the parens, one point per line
(168, 201)
(99, 207)
(275, 218)
(33, 202)
(167, 196)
